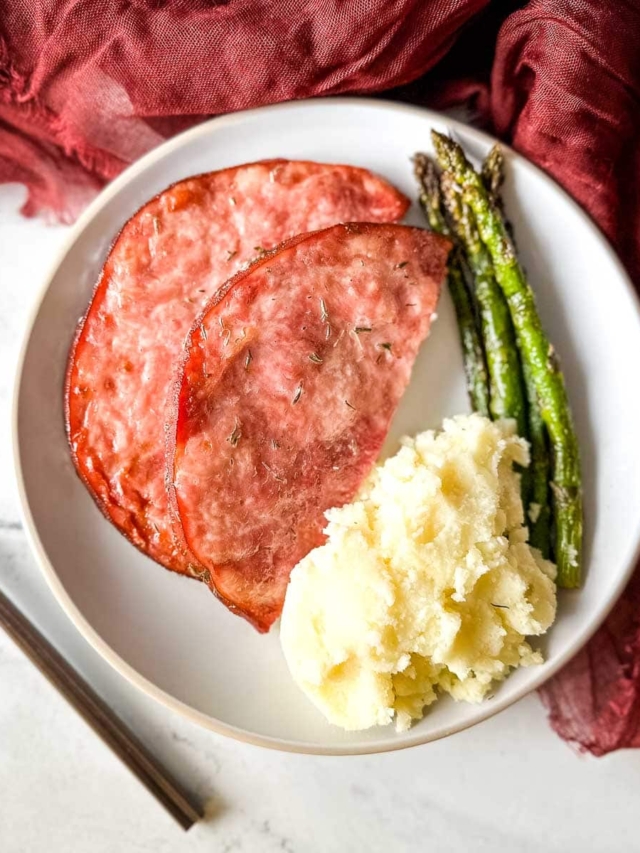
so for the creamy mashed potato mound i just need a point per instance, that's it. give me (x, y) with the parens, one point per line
(425, 585)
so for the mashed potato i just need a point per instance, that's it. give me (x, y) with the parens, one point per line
(426, 583)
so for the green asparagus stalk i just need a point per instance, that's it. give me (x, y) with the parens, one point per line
(472, 348)
(538, 509)
(506, 389)
(493, 175)
(539, 357)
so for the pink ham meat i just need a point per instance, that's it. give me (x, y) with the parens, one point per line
(290, 381)
(167, 262)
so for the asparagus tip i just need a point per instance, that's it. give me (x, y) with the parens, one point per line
(449, 154)
(493, 172)
(425, 171)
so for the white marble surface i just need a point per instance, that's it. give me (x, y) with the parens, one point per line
(507, 785)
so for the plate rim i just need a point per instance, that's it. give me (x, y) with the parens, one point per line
(54, 582)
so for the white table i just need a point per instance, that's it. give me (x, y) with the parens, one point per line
(507, 785)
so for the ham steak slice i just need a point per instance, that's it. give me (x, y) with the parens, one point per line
(165, 265)
(290, 381)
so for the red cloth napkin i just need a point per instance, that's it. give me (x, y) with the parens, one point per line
(86, 87)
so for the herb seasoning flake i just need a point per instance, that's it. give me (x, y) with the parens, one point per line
(234, 438)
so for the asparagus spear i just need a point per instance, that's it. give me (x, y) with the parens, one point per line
(539, 358)
(493, 175)
(472, 347)
(506, 390)
(539, 510)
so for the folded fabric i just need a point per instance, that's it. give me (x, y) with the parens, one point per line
(87, 86)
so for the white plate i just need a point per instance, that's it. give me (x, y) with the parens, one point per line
(167, 634)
